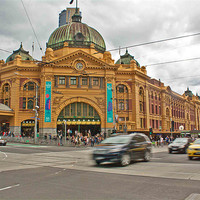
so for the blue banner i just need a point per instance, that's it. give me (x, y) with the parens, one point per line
(109, 103)
(48, 102)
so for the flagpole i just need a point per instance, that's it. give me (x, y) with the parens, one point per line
(76, 6)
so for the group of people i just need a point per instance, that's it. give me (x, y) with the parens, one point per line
(77, 139)
(159, 140)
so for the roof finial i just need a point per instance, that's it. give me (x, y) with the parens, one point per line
(21, 46)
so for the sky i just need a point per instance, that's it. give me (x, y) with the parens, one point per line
(122, 23)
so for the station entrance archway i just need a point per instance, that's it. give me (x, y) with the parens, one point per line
(79, 118)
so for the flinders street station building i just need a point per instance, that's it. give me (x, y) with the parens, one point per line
(77, 86)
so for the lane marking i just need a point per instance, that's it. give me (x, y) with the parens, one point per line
(5, 155)
(9, 187)
(193, 196)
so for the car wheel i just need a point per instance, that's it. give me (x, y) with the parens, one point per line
(98, 162)
(170, 151)
(190, 158)
(125, 160)
(147, 156)
(185, 150)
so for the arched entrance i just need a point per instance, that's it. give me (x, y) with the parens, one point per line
(79, 117)
(28, 127)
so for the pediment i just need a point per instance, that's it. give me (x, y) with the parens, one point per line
(70, 60)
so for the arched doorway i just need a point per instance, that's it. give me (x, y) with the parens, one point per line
(28, 128)
(79, 117)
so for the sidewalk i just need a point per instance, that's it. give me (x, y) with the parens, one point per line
(160, 149)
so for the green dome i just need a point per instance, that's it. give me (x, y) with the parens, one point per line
(77, 34)
(126, 59)
(24, 54)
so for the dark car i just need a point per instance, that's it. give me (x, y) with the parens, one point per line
(179, 145)
(123, 149)
(3, 141)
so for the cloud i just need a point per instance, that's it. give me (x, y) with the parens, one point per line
(121, 23)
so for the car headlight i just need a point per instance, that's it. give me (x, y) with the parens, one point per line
(190, 149)
(183, 146)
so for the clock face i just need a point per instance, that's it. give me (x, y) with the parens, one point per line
(79, 66)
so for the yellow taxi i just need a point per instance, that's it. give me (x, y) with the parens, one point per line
(194, 149)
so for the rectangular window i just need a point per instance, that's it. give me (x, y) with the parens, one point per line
(73, 109)
(62, 80)
(152, 109)
(141, 123)
(84, 109)
(156, 109)
(157, 124)
(127, 104)
(78, 109)
(96, 81)
(153, 124)
(73, 80)
(84, 81)
(90, 111)
(121, 104)
(121, 119)
(24, 103)
(67, 111)
(30, 86)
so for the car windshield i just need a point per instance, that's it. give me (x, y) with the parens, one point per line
(116, 140)
(180, 140)
(197, 141)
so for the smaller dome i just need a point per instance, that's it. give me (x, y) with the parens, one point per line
(188, 93)
(126, 59)
(24, 54)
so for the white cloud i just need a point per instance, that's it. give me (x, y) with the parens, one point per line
(121, 23)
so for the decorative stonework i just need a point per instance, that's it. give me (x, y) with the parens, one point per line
(100, 101)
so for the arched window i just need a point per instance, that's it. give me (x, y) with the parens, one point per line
(30, 103)
(167, 112)
(6, 94)
(30, 86)
(122, 89)
(122, 98)
(141, 99)
(29, 94)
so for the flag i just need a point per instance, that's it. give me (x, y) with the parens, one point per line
(71, 1)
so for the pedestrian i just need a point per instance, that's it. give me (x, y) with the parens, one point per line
(60, 137)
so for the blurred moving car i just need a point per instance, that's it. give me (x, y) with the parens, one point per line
(179, 145)
(194, 149)
(123, 149)
(3, 141)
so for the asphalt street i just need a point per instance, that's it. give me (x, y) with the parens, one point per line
(41, 172)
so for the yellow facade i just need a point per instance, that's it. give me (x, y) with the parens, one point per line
(79, 77)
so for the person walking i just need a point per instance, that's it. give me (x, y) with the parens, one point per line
(60, 137)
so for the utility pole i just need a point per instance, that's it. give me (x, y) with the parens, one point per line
(65, 130)
(36, 111)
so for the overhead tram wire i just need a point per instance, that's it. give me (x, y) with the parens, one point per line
(5, 51)
(157, 41)
(175, 61)
(32, 26)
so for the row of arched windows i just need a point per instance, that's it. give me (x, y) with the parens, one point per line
(28, 95)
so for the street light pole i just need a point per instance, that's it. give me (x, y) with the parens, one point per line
(36, 111)
(65, 130)
(36, 107)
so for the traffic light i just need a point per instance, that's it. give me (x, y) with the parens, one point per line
(150, 131)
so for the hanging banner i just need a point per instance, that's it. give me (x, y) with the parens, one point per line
(109, 103)
(48, 102)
